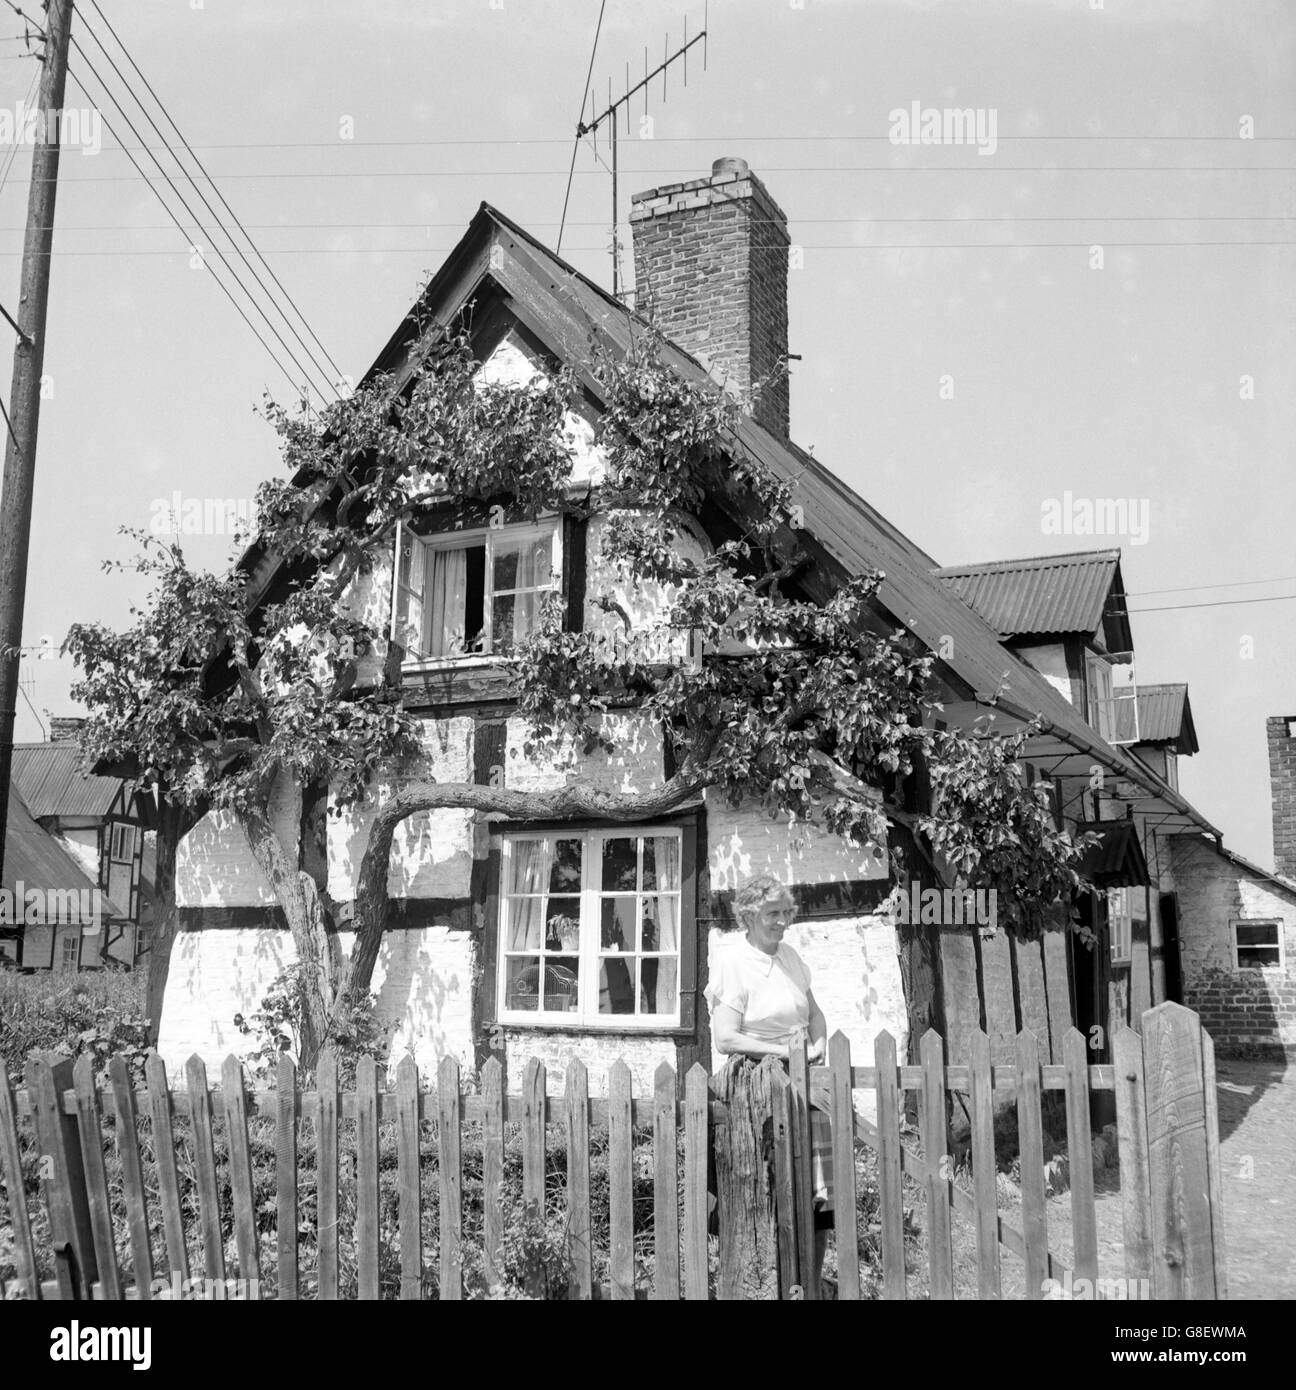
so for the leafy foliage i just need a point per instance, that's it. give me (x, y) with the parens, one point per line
(764, 689)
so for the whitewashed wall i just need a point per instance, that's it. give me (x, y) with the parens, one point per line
(422, 980)
(432, 851)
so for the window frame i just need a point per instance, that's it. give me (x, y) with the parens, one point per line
(586, 1018)
(465, 539)
(73, 940)
(121, 827)
(1120, 923)
(1280, 942)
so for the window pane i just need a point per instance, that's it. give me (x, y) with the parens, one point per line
(616, 986)
(660, 980)
(618, 924)
(514, 618)
(522, 982)
(562, 925)
(565, 875)
(660, 924)
(560, 984)
(620, 864)
(526, 866)
(1257, 934)
(1257, 957)
(661, 862)
(522, 564)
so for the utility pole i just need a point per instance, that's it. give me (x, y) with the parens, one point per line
(24, 396)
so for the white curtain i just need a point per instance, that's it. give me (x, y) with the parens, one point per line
(526, 914)
(525, 566)
(666, 857)
(449, 602)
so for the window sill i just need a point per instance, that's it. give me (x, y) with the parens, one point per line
(599, 1030)
(449, 663)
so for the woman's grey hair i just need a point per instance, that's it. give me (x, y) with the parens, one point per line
(754, 894)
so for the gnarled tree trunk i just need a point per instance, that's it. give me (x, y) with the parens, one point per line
(317, 948)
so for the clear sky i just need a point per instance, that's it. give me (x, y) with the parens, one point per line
(1167, 375)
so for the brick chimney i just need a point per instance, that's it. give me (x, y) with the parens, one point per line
(1282, 783)
(711, 268)
(64, 727)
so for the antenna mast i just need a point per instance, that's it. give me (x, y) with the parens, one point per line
(609, 115)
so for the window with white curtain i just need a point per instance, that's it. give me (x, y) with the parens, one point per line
(589, 928)
(473, 593)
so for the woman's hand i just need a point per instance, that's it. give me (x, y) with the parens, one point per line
(816, 1049)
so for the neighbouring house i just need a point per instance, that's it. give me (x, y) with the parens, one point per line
(101, 824)
(1238, 924)
(53, 916)
(452, 977)
(1066, 616)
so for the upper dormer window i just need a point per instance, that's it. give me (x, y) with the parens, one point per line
(473, 593)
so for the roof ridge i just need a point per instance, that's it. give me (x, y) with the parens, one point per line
(1107, 553)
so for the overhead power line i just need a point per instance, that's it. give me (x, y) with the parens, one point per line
(756, 222)
(216, 189)
(1232, 584)
(436, 250)
(296, 385)
(715, 138)
(305, 378)
(668, 174)
(234, 246)
(1215, 603)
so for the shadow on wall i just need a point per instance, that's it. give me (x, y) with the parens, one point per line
(1240, 1085)
(413, 998)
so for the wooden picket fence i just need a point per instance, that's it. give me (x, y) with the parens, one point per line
(1163, 1080)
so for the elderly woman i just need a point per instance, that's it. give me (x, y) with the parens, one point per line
(761, 1002)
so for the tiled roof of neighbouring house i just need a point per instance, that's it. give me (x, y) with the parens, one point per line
(1047, 595)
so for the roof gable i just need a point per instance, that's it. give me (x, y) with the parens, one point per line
(1165, 717)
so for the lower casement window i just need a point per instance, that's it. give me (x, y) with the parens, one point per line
(591, 925)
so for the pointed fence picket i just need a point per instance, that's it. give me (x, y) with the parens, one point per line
(187, 1177)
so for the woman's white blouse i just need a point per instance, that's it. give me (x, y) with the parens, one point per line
(772, 993)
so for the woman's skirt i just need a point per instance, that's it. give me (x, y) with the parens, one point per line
(821, 1163)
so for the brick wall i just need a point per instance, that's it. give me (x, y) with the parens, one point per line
(1249, 1013)
(711, 265)
(1282, 783)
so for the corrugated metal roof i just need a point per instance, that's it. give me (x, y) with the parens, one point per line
(1164, 716)
(1044, 594)
(35, 859)
(49, 778)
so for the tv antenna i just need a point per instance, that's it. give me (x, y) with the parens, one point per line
(610, 117)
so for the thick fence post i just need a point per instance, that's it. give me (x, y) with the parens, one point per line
(62, 1171)
(745, 1200)
(1183, 1227)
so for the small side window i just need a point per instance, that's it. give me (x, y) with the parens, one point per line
(1257, 945)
